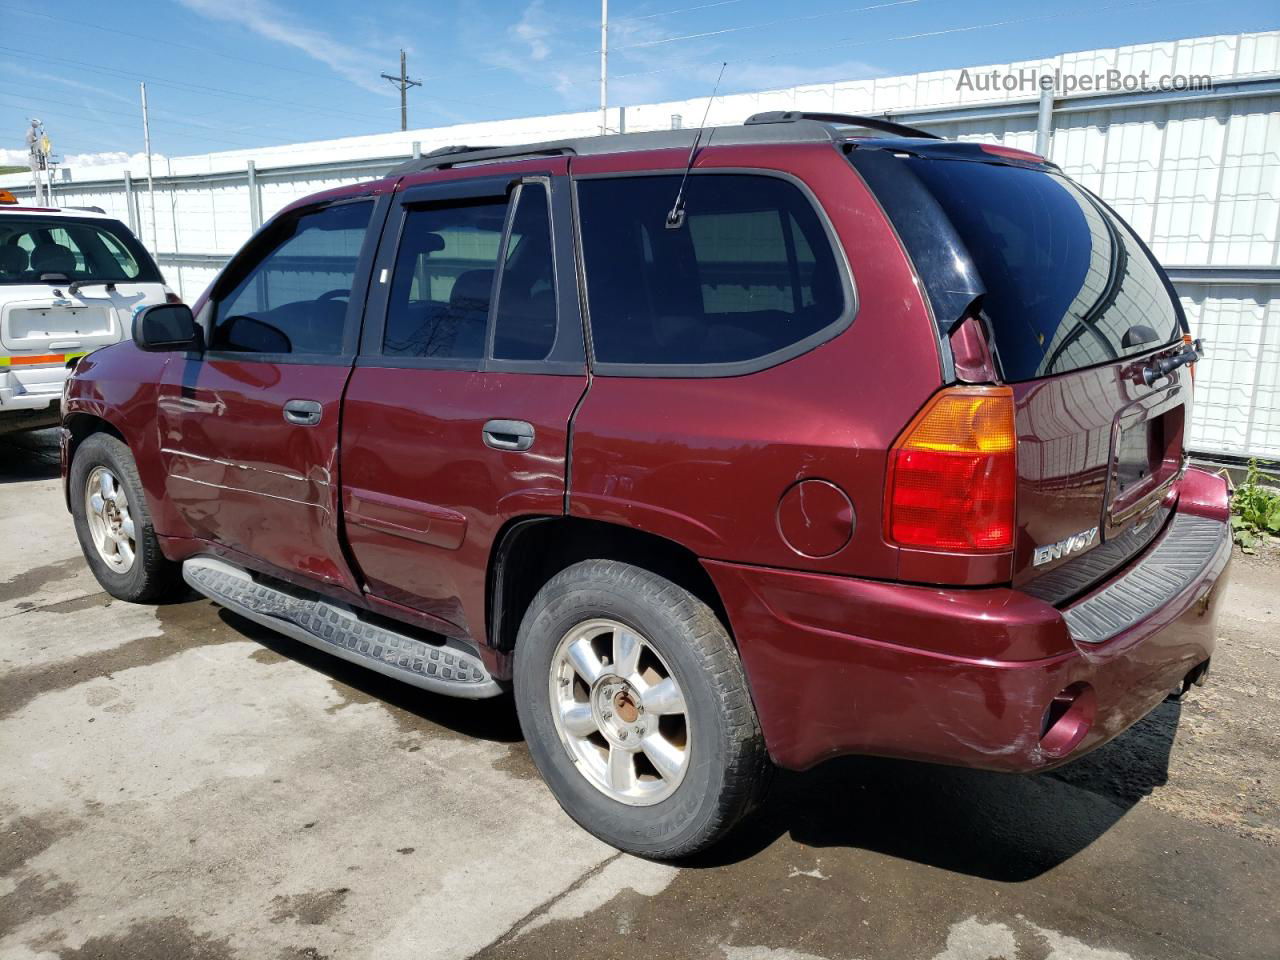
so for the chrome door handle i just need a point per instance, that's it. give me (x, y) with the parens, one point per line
(305, 413)
(508, 434)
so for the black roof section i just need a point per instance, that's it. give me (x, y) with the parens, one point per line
(762, 128)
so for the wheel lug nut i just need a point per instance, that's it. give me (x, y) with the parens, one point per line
(622, 735)
(608, 714)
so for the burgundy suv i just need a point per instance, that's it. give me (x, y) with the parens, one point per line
(723, 451)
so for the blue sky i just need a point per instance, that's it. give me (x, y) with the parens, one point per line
(227, 74)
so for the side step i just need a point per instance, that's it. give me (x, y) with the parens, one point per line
(449, 670)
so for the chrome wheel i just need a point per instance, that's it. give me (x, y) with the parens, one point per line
(110, 522)
(620, 712)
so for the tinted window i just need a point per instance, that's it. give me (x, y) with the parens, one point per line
(525, 321)
(1067, 284)
(751, 271)
(442, 282)
(101, 251)
(294, 298)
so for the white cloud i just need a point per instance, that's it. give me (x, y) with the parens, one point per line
(272, 23)
(94, 88)
(532, 30)
(18, 158)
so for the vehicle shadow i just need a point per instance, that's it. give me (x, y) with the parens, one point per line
(493, 720)
(32, 455)
(1003, 827)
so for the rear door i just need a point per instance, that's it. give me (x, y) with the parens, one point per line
(1075, 308)
(456, 418)
(249, 429)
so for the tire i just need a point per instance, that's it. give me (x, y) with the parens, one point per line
(148, 576)
(723, 767)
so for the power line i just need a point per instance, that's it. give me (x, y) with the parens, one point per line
(595, 51)
(179, 84)
(170, 128)
(768, 23)
(863, 41)
(668, 13)
(164, 116)
(164, 41)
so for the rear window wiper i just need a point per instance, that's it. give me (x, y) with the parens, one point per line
(76, 286)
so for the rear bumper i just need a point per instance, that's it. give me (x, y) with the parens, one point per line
(967, 677)
(37, 388)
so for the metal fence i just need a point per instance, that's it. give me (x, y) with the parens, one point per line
(1196, 172)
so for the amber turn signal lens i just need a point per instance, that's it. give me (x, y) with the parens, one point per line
(953, 474)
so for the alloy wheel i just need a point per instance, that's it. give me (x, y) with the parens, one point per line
(111, 525)
(620, 712)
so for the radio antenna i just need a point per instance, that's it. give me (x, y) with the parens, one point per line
(675, 219)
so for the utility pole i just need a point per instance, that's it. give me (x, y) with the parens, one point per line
(151, 183)
(604, 67)
(404, 83)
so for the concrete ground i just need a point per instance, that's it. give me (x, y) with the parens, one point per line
(176, 782)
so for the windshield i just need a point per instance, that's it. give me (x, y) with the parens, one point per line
(1067, 284)
(87, 250)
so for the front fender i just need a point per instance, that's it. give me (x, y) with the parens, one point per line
(114, 390)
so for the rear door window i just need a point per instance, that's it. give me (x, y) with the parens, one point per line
(442, 283)
(749, 279)
(1067, 283)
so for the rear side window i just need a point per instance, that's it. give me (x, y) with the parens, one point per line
(750, 274)
(293, 297)
(525, 321)
(1067, 284)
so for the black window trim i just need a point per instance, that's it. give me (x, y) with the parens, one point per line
(735, 368)
(356, 302)
(568, 354)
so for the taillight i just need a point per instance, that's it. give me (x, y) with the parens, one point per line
(953, 472)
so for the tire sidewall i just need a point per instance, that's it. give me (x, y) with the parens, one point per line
(102, 450)
(671, 823)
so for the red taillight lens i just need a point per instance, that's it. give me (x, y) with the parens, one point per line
(953, 472)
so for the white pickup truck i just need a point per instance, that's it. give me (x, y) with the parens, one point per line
(70, 281)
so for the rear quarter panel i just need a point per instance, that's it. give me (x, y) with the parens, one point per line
(705, 461)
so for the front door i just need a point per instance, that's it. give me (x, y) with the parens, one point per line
(249, 429)
(456, 417)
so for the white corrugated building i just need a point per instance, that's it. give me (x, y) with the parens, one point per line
(1197, 173)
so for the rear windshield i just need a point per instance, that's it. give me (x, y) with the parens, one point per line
(1067, 284)
(88, 250)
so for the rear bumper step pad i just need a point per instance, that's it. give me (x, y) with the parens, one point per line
(1176, 560)
(326, 626)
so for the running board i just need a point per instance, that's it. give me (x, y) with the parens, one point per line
(326, 626)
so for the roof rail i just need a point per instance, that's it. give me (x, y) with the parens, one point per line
(842, 119)
(446, 157)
